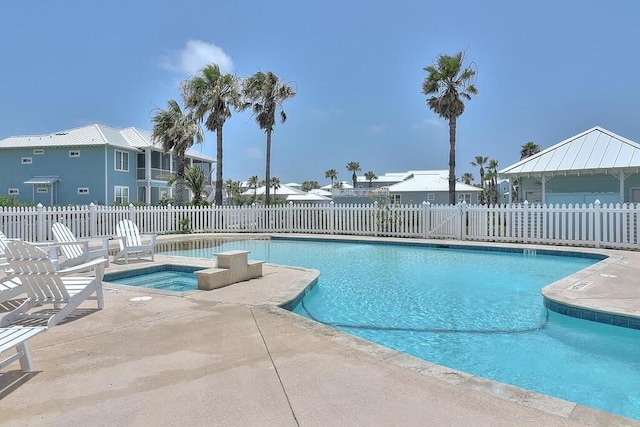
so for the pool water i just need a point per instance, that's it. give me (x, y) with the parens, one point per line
(476, 311)
(164, 277)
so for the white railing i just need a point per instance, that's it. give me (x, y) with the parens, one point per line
(595, 225)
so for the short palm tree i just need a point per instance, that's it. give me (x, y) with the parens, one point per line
(467, 178)
(195, 181)
(529, 149)
(310, 185)
(332, 174)
(370, 176)
(354, 167)
(252, 182)
(211, 95)
(265, 93)
(480, 162)
(493, 174)
(448, 84)
(177, 132)
(275, 184)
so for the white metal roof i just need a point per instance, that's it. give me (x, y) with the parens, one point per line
(93, 135)
(596, 149)
(284, 190)
(308, 197)
(42, 180)
(429, 182)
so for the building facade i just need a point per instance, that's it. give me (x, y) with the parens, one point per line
(92, 164)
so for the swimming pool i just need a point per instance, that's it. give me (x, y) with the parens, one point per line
(164, 277)
(475, 311)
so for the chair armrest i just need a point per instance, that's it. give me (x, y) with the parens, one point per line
(103, 239)
(83, 267)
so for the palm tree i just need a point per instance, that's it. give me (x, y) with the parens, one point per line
(212, 94)
(370, 176)
(252, 182)
(480, 162)
(529, 149)
(275, 184)
(233, 189)
(331, 174)
(493, 174)
(265, 93)
(467, 178)
(449, 83)
(354, 167)
(310, 185)
(195, 181)
(177, 132)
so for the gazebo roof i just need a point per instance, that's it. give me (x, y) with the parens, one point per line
(595, 150)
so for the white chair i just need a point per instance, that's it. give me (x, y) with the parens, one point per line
(15, 338)
(78, 251)
(47, 286)
(9, 288)
(131, 242)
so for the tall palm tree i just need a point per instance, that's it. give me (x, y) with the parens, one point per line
(480, 162)
(354, 167)
(211, 95)
(265, 93)
(370, 176)
(467, 178)
(252, 182)
(493, 172)
(331, 174)
(177, 132)
(448, 84)
(195, 181)
(529, 149)
(275, 184)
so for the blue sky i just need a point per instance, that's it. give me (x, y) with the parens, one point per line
(546, 70)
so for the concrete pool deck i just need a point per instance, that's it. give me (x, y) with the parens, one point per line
(232, 357)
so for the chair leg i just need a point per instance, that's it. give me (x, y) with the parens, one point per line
(25, 356)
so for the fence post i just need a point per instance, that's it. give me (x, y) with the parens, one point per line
(525, 222)
(376, 227)
(463, 220)
(40, 223)
(597, 224)
(426, 214)
(332, 228)
(290, 216)
(93, 220)
(170, 221)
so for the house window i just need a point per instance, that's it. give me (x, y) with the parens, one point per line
(83, 190)
(464, 197)
(27, 160)
(122, 161)
(431, 197)
(14, 191)
(74, 154)
(42, 190)
(394, 199)
(38, 151)
(121, 195)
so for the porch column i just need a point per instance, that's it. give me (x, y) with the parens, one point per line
(621, 197)
(147, 174)
(543, 179)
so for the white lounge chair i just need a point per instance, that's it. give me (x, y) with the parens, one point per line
(9, 288)
(78, 251)
(47, 286)
(15, 338)
(131, 242)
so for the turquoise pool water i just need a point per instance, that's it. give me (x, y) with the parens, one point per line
(476, 311)
(174, 278)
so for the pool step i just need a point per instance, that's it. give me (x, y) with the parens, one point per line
(233, 267)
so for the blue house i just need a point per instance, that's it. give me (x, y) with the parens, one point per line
(593, 165)
(91, 164)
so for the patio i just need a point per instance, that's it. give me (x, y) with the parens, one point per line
(231, 357)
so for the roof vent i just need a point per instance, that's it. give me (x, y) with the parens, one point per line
(62, 133)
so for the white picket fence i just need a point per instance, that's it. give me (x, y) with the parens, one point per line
(595, 225)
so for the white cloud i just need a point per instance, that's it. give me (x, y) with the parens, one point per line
(253, 153)
(378, 128)
(195, 55)
(432, 122)
(320, 114)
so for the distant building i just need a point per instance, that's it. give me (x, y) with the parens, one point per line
(408, 187)
(93, 163)
(593, 165)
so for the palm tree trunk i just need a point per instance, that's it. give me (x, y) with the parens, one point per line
(267, 173)
(218, 195)
(452, 161)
